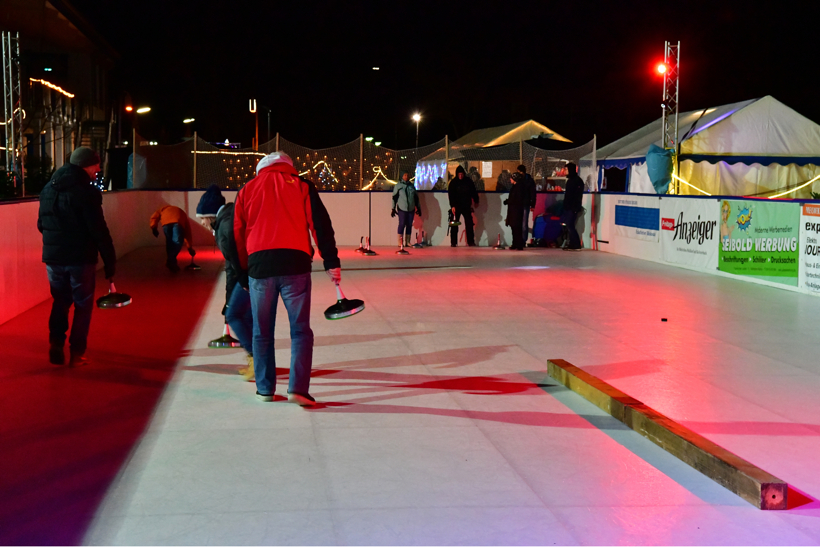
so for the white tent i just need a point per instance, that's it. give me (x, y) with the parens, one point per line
(502, 146)
(506, 134)
(756, 147)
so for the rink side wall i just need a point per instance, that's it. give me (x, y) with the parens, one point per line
(23, 281)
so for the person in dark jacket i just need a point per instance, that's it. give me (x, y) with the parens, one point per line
(462, 195)
(275, 215)
(406, 205)
(74, 233)
(573, 197)
(216, 215)
(528, 189)
(517, 203)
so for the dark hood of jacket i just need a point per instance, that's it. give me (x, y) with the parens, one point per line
(460, 169)
(67, 177)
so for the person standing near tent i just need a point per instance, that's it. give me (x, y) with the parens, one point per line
(177, 230)
(406, 205)
(528, 190)
(462, 195)
(74, 233)
(517, 203)
(573, 199)
(216, 215)
(274, 217)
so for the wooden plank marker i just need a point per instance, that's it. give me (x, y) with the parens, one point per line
(748, 481)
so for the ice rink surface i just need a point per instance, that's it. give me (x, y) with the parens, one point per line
(438, 423)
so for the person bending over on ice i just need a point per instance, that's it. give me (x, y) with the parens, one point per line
(406, 204)
(216, 215)
(177, 230)
(275, 215)
(462, 195)
(74, 232)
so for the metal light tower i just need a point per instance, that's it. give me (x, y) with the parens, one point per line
(669, 104)
(417, 119)
(13, 106)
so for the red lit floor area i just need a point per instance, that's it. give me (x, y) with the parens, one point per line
(438, 422)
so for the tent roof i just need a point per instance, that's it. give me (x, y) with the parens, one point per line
(505, 134)
(766, 127)
(635, 144)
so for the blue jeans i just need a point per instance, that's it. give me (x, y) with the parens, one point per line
(174, 237)
(406, 221)
(240, 318)
(295, 293)
(72, 284)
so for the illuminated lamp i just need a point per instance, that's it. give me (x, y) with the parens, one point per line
(661, 68)
(129, 108)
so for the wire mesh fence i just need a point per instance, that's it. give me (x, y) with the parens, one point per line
(358, 165)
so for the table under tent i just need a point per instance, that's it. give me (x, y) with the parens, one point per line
(758, 147)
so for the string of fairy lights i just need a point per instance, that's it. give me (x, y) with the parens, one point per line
(331, 173)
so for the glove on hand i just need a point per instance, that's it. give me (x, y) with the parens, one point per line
(393, 213)
(109, 272)
(191, 252)
(155, 232)
(418, 211)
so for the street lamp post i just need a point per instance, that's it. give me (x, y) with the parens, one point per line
(417, 119)
(252, 108)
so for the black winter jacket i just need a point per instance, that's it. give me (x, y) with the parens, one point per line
(72, 222)
(529, 191)
(225, 240)
(574, 194)
(462, 191)
(516, 201)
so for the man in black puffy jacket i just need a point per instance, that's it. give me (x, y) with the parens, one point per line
(74, 232)
(573, 198)
(462, 195)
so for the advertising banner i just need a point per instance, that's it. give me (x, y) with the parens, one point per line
(637, 217)
(809, 275)
(689, 232)
(760, 239)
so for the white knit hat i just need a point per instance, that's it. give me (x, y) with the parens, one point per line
(270, 159)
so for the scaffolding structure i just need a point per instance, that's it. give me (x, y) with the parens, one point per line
(12, 108)
(669, 105)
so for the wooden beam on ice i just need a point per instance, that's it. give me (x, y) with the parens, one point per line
(761, 489)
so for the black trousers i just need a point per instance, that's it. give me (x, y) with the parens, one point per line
(467, 213)
(516, 223)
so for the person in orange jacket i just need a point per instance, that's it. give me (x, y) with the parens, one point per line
(177, 230)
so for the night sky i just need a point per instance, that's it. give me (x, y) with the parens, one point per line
(578, 67)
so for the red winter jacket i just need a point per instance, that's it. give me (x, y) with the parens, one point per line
(275, 214)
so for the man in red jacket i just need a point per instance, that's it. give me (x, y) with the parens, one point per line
(274, 217)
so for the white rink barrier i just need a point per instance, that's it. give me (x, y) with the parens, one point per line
(771, 242)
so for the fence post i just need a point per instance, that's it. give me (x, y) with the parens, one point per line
(277, 141)
(361, 161)
(194, 159)
(134, 158)
(446, 160)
